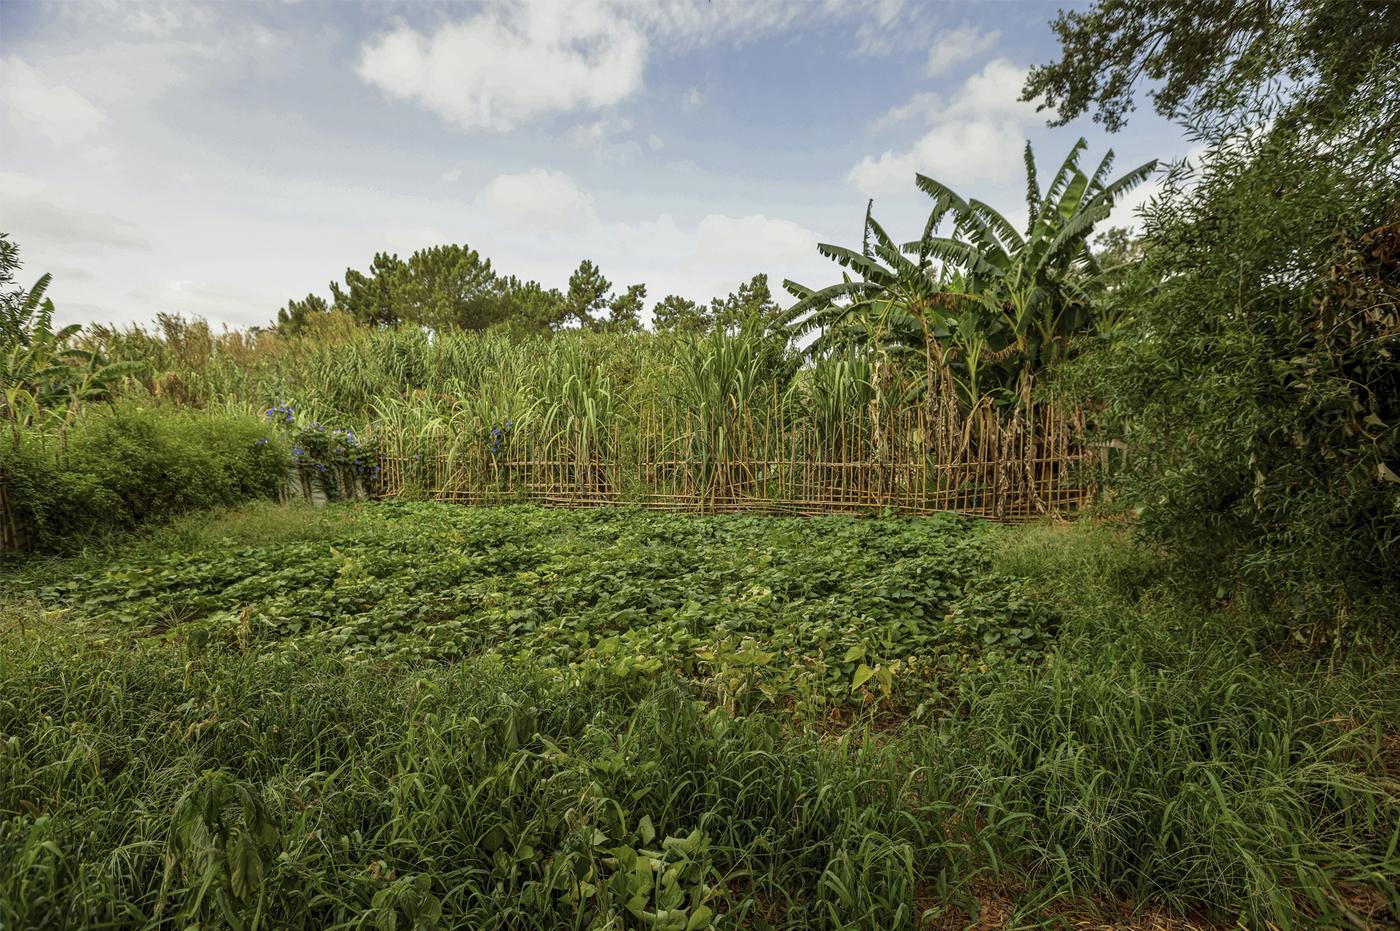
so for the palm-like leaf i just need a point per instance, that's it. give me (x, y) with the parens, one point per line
(985, 291)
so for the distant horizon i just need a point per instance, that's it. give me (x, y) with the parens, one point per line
(216, 160)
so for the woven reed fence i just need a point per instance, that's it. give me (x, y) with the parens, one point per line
(12, 535)
(994, 464)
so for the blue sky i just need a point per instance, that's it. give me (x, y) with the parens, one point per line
(215, 160)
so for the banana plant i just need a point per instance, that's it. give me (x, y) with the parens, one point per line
(986, 305)
(1038, 282)
(44, 379)
(899, 305)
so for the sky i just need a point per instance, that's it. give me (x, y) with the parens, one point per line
(215, 160)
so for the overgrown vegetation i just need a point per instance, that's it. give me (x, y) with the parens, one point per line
(739, 603)
(645, 720)
(1178, 712)
(1254, 381)
(986, 306)
(118, 468)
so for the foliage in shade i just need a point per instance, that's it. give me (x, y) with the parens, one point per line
(1253, 378)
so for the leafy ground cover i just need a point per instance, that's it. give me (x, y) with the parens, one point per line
(400, 716)
(743, 605)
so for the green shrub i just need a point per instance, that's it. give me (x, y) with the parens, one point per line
(119, 468)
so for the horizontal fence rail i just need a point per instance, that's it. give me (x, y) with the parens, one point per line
(989, 463)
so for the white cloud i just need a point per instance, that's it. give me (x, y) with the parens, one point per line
(599, 134)
(407, 239)
(957, 46)
(537, 199)
(35, 212)
(542, 223)
(508, 65)
(878, 27)
(995, 90)
(55, 110)
(957, 152)
(876, 33)
(655, 142)
(990, 93)
(104, 156)
(726, 239)
(976, 136)
(709, 257)
(924, 106)
(155, 19)
(693, 23)
(451, 175)
(204, 298)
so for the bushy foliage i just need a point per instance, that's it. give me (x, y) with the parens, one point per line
(125, 466)
(1254, 374)
(1257, 387)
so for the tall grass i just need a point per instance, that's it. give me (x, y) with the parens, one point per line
(143, 788)
(409, 381)
(737, 413)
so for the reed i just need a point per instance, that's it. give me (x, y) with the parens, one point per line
(735, 419)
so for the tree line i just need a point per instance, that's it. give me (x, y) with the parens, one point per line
(454, 286)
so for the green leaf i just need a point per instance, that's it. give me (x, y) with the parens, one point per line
(700, 918)
(245, 867)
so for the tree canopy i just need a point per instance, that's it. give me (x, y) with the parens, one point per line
(1303, 61)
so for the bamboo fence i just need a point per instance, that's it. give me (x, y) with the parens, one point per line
(12, 536)
(988, 463)
(991, 463)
